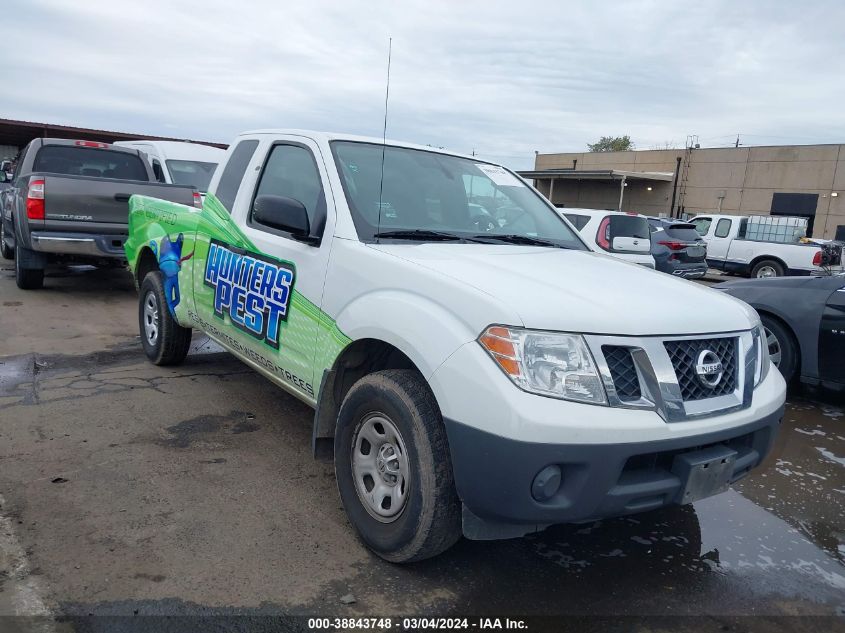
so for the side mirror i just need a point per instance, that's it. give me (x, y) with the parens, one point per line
(284, 214)
(632, 244)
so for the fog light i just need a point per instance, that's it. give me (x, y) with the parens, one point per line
(546, 483)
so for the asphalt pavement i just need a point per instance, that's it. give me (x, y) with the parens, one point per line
(129, 489)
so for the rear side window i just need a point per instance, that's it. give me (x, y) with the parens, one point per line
(233, 173)
(69, 160)
(578, 221)
(723, 228)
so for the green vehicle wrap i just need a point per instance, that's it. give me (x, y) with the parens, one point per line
(217, 281)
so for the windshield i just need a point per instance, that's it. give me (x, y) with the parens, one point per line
(428, 193)
(191, 172)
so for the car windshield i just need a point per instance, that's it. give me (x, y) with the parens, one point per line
(191, 172)
(427, 196)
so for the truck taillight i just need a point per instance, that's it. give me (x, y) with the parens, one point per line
(603, 234)
(817, 259)
(672, 245)
(35, 199)
(92, 144)
(198, 200)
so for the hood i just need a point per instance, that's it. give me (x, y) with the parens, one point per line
(581, 291)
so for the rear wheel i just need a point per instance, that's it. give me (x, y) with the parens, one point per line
(5, 250)
(767, 268)
(27, 278)
(165, 342)
(393, 467)
(783, 350)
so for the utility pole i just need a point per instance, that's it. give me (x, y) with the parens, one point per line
(737, 141)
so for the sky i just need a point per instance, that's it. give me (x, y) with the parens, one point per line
(499, 78)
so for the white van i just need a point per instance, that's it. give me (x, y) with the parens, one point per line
(622, 235)
(180, 163)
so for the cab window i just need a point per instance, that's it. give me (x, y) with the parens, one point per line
(230, 179)
(723, 228)
(702, 225)
(291, 172)
(157, 171)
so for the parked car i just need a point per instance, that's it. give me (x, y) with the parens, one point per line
(760, 246)
(486, 382)
(68, 204)
(180, 163)
(622, 235)
(677, 248)
(804, 323)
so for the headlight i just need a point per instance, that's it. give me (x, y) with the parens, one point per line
(763, 360)
(545, 363)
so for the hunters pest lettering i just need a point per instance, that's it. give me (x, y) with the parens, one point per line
(253, 290)
(472, 379)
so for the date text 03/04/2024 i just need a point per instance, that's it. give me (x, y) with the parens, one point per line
(417, 624)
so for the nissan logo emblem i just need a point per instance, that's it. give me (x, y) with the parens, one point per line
(709, 369)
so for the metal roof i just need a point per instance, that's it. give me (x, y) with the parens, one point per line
(597, 174)
(19, 133)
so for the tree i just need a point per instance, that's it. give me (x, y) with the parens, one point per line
(612, 144)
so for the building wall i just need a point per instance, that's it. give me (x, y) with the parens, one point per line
(744, 179)
(8, 151)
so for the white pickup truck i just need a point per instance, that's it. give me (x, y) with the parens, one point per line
(470, 376)
(741, 244)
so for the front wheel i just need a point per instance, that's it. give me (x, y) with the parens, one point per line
(767, 268)
(393, 468)
(783, 350)
(165, 342)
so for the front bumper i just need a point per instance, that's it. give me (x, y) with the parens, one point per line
(494, 475)
(613, 460)
(79, 244)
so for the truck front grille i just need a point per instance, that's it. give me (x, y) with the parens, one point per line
(684, 356)
(622, 371)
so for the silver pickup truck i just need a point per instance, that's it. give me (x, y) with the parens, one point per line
(68, 204)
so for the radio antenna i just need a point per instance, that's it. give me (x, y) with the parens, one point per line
(384, 135)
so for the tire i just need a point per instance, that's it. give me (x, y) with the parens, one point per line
(767, 268)
(165, 342)
(27, 278)
(782, 347)
(415, 459)
(6, 251)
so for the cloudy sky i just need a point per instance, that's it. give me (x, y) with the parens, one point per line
(503, 78)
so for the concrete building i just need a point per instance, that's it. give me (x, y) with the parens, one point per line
(797, 180)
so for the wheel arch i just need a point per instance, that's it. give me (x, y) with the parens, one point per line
(772, 258)
(782, 321)
(145, 263)
(358, 359)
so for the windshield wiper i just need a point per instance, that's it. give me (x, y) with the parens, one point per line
(421, 234)
(519, 239)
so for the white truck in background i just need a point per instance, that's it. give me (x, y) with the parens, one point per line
(180, 163)
(762, 246)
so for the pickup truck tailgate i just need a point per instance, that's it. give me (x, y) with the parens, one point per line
(82, 199)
